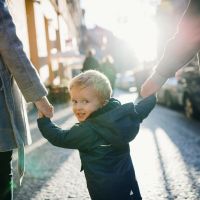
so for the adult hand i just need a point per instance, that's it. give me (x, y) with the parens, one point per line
(44, 107)
(149, 87)
(40, 115)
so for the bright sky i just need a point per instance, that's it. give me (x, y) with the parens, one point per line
(131, 20)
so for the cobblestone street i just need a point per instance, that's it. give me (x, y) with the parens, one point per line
(166, 156)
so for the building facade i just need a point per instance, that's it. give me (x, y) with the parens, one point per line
(49, 31)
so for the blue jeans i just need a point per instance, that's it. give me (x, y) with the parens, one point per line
(6, 190)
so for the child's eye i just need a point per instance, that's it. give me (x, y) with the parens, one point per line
(74, 101)
(85, 101)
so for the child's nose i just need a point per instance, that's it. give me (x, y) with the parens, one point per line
(79, 106)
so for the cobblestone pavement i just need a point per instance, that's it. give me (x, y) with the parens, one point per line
(166, 156)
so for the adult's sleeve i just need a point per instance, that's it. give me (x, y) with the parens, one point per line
(17, 62)
(182, 48)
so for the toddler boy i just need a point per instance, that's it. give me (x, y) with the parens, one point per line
(102, 136)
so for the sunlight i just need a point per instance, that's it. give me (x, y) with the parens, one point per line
(142, 37)
(131, 20)
(154, 160)
(139, 29)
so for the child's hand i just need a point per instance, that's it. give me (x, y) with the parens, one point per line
(40, 115)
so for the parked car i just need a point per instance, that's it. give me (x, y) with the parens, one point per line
(168, 94)
(190, 82)
(125, 80)
(184, 92)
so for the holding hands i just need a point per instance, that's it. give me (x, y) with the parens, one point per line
(44, 108)
(149, 87)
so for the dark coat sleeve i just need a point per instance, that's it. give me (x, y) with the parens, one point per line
(145, 106)
(78, 137)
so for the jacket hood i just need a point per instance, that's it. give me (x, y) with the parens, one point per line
(119, 124)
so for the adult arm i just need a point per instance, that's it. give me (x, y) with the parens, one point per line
(14, 57)
(179, 51)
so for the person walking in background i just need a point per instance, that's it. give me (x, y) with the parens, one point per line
(108, 68)
(90, 61)
(15, 67)
(179, 51)
(102, 136)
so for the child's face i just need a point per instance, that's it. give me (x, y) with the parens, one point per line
(84, 102)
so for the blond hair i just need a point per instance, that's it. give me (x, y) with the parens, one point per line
(95, 79)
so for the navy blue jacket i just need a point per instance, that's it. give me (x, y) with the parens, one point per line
(103, 142)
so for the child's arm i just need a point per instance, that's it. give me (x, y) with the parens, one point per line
(78, 137)
(145, 106)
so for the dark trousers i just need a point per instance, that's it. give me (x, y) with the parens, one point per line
(6, 191)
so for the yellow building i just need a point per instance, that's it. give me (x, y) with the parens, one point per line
(49, 34)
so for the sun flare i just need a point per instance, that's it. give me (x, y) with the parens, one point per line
(131, 20)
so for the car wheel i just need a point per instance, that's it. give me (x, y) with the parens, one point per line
(188, 108)
(168, 100)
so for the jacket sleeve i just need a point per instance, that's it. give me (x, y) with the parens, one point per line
(182, 48)
(13, 56)
(145, 106)
(77, 137)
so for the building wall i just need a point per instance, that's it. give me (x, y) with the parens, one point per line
(45, 28)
